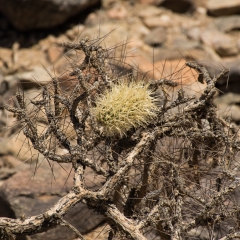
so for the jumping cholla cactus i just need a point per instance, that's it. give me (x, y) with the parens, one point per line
(168, 171)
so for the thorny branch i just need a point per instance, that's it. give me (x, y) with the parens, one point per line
(173, 176)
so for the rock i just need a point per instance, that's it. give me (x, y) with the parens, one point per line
(175, 70)
(54, 53)
(29, 15)
(75, 32)
(156, 37)
(194, 33)
(139, 29)
(6, 173)
(203, 53)
(150, 11)
(12, 162)
(228, 23)
(35, 78)
(231, 82)
(6, 61)
(227, 111)
(182, 42)
(6, 168)
(208, 36)
(26, 58)
(118, 11)
(94, 18)
(179, 6)
(107, 3)
(226, 48)
(222, 43)
(33, 191)
(158, 21)
(223, 7)
(228, 98)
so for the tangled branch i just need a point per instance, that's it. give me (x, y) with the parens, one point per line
(170, 176)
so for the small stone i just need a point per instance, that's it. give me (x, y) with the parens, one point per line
(228, 48)
(158, 21)
(156, 37)
(117, 12)
(194, 33)
(228, 23)
(149, 11)
(222, 43)
(201, 10)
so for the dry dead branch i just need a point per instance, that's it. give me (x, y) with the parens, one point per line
(174, 177)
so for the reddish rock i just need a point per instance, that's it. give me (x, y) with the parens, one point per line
(33, 191)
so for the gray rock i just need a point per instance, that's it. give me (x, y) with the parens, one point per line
(30, 14)
(194, 33)
(226, 48)
(228, 23)
(222, 43)
(156, 37)
(223, 7)
(29, 193)
(182, 42)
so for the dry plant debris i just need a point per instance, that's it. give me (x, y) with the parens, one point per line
(173, 176)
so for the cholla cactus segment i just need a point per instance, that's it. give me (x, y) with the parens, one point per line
(125, 105)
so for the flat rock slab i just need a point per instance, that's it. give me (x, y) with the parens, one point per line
(28, 194)
(223, 7)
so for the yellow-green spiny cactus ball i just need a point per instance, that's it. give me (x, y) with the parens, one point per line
(125, 105)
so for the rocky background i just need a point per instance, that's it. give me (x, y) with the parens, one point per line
(154, 36)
